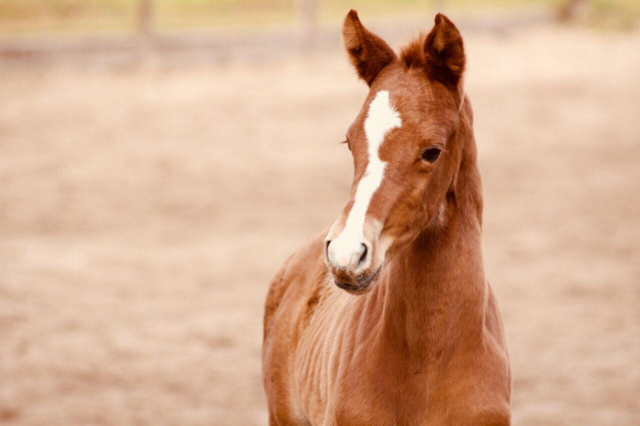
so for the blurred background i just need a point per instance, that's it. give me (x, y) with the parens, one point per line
(160, 159)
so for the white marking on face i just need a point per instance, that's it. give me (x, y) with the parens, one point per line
(381, 118)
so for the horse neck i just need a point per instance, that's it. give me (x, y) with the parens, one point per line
(435, 291)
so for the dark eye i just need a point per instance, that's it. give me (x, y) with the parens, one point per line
(431, 154)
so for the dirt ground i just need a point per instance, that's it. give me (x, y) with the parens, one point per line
(143, 212)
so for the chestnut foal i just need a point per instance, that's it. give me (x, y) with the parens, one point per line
(388, 319)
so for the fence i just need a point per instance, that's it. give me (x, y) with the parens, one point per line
(147, 39)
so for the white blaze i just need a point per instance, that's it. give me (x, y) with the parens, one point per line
(381, 118)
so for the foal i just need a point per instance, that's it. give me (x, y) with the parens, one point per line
(388, 319)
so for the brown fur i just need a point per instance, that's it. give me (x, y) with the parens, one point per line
(423, 344)
(368, 53)
(440, 53)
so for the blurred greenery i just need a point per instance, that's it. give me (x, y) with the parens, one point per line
(46, 16)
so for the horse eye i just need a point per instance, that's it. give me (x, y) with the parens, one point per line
(431, 154)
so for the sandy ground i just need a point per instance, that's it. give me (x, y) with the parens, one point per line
(143, 213)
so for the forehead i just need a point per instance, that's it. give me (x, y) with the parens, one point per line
(426, 108)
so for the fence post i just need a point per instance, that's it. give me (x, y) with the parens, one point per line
(308, 16)
(145, 18)
(571, 9)
(145, 26)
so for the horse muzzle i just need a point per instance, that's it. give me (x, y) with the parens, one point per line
(356, 285)
(354, 256)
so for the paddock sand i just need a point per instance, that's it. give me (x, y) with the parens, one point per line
(144, 211)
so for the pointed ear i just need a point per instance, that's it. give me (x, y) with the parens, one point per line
(368, 52)
(444, 52)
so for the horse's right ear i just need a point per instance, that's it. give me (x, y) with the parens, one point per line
(368, 52)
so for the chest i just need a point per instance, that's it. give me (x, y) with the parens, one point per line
(356, 380)
(363, 382)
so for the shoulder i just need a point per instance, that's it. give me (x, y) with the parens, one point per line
(296, 279)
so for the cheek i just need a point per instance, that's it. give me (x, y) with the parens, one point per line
(406, 207)
(383, 248)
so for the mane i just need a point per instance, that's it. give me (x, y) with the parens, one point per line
(412, 55)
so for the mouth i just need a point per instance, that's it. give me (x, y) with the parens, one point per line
(361, 285)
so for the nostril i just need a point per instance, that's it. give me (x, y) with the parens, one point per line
(363, 256)
(326, 249)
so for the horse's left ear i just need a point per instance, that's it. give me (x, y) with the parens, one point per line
(368, 52)
(444, 52)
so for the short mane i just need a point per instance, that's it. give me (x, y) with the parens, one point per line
(412, 55)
